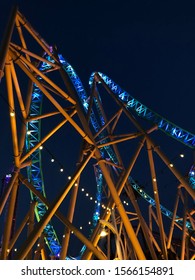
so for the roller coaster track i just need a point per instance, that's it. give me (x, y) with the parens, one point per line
(35, 172)
(97, 121)
(141, 110)
(131, 103)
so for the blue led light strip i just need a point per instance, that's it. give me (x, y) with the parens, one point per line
(35, 176)
(141, 110)
(169, 128)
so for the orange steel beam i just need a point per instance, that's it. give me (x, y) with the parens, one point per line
(16, 55)
(27, 245)
(34, 55)
(106, 175)
(44, 139)
(55, 103)
(124, 180)
(157, 200)
(177, 174)
(34, 34)
(6, 40)
(12, 112)
(64, 220)
(173, 220)
(21, 36)
(9, 220)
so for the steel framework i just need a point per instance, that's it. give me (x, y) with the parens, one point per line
(117, 138)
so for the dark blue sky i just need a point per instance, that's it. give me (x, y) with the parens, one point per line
(147, 47)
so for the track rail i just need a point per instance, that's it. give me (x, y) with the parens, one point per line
(35, 172)
(141, 110)
(144, 112)
(92, 108)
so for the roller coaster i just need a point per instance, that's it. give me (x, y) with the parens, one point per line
(117, 195)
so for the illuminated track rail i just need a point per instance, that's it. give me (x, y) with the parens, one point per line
(35, 175)
(33, 137)
(141, 110)
(92, 108)
(167, 127)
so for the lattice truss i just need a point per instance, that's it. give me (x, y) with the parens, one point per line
(108, 142)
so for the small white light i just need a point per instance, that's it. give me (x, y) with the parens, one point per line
(103, 233)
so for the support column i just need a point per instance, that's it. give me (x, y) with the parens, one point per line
(6, 40)
(157, 200)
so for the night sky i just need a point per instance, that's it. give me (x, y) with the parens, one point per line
(147, 47)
